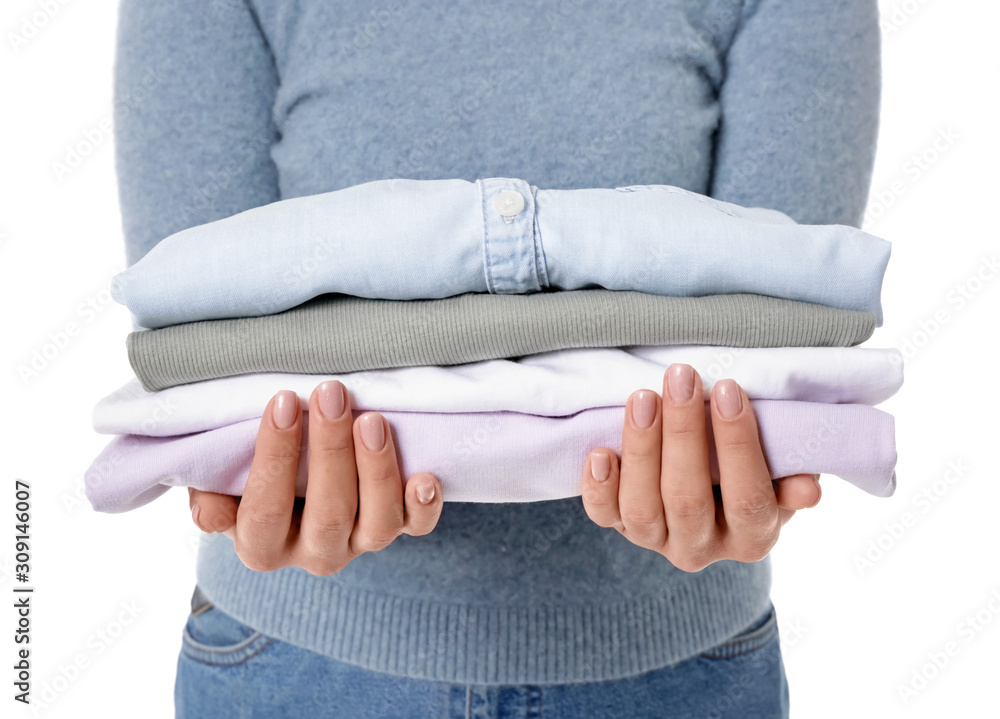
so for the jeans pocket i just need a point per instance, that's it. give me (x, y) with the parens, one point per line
(759, 634)
(213, 637)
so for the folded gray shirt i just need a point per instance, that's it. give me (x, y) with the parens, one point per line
(337, 333)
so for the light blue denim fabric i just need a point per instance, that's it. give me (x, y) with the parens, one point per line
(403, 239)
(227, 105)
(228, 669)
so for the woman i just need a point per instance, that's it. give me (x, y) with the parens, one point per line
(615, 603)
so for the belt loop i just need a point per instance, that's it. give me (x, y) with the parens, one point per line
(199, 602)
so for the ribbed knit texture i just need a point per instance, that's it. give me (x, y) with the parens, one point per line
(537, 642)
(337, 333)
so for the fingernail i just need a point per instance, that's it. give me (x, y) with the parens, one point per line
(285, 407)
(816, 480)
(331, 399)
(600, 466)
(643, 408)
(425, 493)
(680, 382)
(372, 432)
(727, 397)
(195, 513)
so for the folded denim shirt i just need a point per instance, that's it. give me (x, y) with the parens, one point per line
(427, 239)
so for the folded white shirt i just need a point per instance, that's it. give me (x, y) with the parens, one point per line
(554, 384)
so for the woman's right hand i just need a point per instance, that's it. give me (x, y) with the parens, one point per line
(354, 499)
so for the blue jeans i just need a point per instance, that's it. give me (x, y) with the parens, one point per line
(228, 669)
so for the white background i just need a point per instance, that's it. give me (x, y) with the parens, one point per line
(853, 633)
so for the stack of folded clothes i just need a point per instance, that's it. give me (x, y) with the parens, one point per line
(500, 329)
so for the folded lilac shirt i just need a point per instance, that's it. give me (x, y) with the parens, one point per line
(499, 456)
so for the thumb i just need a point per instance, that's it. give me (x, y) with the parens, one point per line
(212, 512)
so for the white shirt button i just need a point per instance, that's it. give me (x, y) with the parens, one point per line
(508, 203)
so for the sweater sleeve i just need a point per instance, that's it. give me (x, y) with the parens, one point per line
(194, 86)
(800, 109)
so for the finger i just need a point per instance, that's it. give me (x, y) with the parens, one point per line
(687, 483)
(749, 504)
(600, 496)
(784, 515)
(212, 512)
(331, 500)
(265, 513)
(380, 490)
(800, 491)
(639, 496)
(424, 501)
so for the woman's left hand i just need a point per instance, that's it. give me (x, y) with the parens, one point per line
(661, 496)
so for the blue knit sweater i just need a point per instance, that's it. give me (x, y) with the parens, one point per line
(224, 105)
